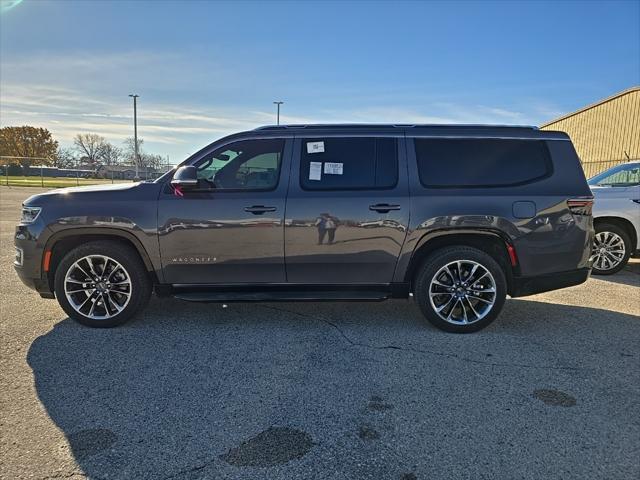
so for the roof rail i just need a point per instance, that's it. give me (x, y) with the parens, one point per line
(379, 125)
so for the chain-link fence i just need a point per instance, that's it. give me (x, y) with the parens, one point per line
(33, 171)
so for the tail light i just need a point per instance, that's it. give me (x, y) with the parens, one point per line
(580, 205)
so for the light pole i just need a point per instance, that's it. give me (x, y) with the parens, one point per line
(278, 114)
(135, 131)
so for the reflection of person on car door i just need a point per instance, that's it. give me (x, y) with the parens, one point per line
(327, 225)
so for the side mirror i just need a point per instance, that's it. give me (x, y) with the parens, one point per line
(186, 177)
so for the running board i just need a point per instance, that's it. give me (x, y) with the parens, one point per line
(284, 296)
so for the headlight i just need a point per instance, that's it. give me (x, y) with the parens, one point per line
(29, 214)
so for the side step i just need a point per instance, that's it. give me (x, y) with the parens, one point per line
(285, 296)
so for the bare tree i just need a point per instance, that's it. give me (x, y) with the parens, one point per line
(130, 150)
(150, 160)
(111, 155)
(90, 147)
(65, 158)
(145, 160)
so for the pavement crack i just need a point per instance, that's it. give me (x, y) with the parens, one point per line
(193, 469)
(419, 350)
(65, 475)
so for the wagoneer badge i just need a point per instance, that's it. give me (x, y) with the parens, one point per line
(194, 259)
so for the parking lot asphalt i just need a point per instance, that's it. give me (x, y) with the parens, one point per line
(320, 390)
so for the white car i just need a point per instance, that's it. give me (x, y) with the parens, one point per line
(616, 215)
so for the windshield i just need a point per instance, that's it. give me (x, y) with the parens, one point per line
(625, 175)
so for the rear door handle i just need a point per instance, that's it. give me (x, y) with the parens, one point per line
(383, 207)
(259, 209)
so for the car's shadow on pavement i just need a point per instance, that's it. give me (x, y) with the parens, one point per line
(630, 275)
(320, 390)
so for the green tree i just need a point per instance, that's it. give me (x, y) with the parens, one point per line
(31, 145)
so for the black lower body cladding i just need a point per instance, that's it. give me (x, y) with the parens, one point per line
(523, 286)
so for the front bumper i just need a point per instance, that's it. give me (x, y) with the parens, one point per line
(35, 283)
(523, 286)
(28, 238)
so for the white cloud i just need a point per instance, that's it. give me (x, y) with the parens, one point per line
(82, 93)
(107, 72)
(181, 128)
(68, 112)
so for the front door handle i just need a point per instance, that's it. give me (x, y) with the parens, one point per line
(383, 207)
(259, 209)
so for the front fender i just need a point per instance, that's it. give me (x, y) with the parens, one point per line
(148, 250)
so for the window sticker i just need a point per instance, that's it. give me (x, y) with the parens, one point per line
(315, 147)
(333, 168)
(315, 170)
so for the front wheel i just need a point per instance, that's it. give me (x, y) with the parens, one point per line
(460, 289)
(611, 249)
(102, 284)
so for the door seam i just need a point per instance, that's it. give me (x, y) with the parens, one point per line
(284, 216)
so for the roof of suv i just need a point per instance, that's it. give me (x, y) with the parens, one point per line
(495, 131)
(359, 126)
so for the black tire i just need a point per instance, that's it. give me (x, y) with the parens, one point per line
(626, 239)
(127, 257)
(445, 256)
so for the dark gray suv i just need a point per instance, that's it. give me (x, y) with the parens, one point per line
(458, 216)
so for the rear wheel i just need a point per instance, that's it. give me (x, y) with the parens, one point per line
(460, 289)
(102, 284)
(611, 249)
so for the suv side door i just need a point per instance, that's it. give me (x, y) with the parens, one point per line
(231, 229)
(347, 208)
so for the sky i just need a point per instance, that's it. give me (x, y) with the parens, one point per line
(204, 69)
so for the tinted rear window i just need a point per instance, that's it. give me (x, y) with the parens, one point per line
(348, 163)
(480, 162)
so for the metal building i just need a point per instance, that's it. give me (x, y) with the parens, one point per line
(606, 133)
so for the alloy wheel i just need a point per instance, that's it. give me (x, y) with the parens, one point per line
(97, 287)
(608, 251)
(462, 292)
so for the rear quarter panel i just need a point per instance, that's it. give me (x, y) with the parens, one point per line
(553, 240)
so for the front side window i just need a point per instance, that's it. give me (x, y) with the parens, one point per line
(348, 163)
(483, 162)
(625, 175)
(243, 165)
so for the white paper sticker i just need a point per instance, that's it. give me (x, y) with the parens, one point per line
(315, 171)
(331, 168)
(315, 147)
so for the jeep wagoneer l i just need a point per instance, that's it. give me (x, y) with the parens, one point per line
(459, 216)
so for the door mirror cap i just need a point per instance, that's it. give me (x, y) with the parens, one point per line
(186, 177)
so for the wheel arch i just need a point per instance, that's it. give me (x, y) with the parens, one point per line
(60, 243)
(489, 241)
(623, 223)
